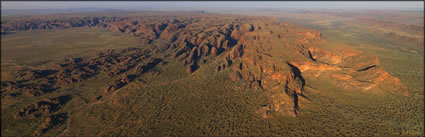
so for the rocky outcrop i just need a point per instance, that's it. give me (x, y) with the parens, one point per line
(135, 72)
(34, 74)
(29, 89)
(76, 70)
(112, 62)
(50, 122)
(192, 49)
(284, 72)
(44, 107)
(118, 84)
(352, 70)
(36, 89)
(144, 67)
(256, 69)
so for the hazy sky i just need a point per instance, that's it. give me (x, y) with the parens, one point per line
(210, 4)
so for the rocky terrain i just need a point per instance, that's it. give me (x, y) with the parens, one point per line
(75, 70)
(259, 53)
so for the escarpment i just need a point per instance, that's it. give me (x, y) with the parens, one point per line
(350, 69)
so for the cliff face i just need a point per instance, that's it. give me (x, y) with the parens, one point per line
(260, 53)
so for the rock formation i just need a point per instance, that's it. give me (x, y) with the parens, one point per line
(261, 54)
(44, 107)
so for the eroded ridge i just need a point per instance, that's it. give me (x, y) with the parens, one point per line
(130, 62)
